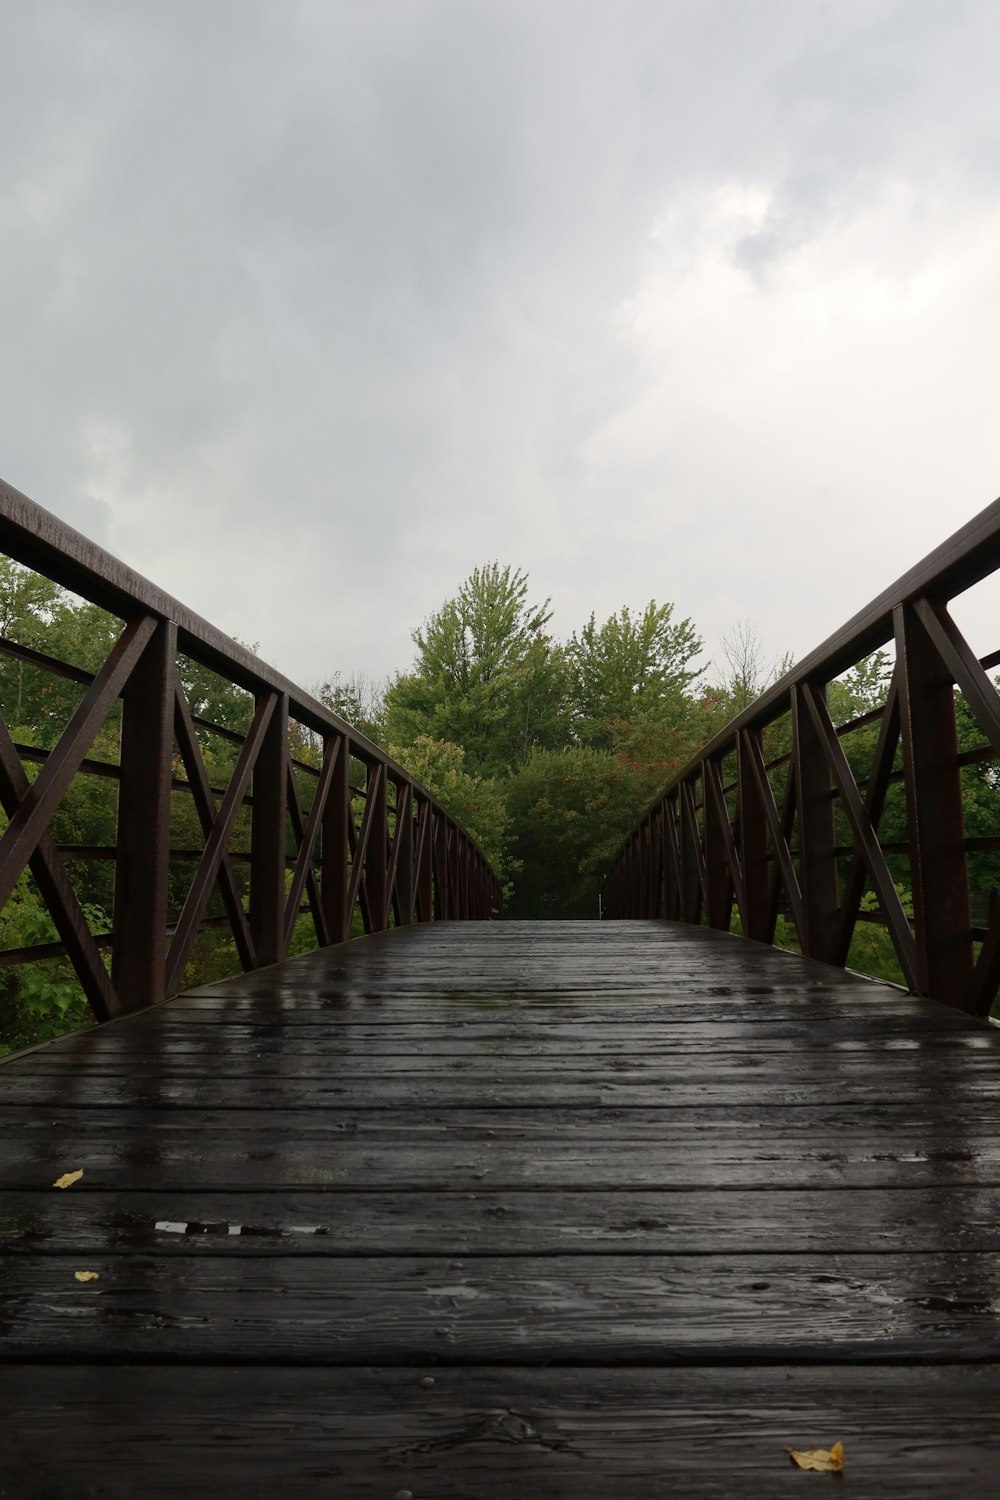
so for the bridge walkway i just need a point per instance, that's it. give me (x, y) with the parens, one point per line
(505, 1209)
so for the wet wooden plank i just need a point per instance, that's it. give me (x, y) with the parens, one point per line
(810, 1051)
(879, 1145)
(493, 1221)
(484, 1008)
(602, 1309)
(763, 1075)
(497, 1434)
(88, 1089)
(723, 1161)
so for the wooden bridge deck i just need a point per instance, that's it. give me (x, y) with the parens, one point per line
(506, 1210)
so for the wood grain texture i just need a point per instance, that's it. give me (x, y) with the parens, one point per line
(504, 1210)
(496, 1434)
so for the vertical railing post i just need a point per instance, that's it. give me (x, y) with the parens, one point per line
(753, 845)
(642, 870)
(454, 873)
(671, 862)
(404, 858)
(719, 880)
(376, 855)
(656, 862)
(938, 870)
(269, 839)
(817, 837)
(462, 863)
(689, 856)
(442, 874)
(142, 868)
(425, 871)
(333, 886)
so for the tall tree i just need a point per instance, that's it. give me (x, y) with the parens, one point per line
(487, 675)
(631, 666)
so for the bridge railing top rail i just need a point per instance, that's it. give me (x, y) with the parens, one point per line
(967, 557)
(287, 811)
(801, 828)
(35, 537)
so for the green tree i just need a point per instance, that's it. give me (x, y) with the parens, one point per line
(571, 810)
(40, 615)
(487, 676)
(631, 666)
(861, 690)
(476, 801)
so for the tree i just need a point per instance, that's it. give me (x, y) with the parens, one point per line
(487, 675)
(476, 801)
(357, 698)
(571, 810)
(748, 670)
(864, 688)
(628, 667)
(40, 615)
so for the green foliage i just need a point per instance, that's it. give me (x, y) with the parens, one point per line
(45, 618)
(358, 700)
(212, 698)
(632, 666)
(862, 689)
(980, 807)
(570, 809)
(615, 704)
(871, 951)
(477, 802)
(42, 999)
(487, 677)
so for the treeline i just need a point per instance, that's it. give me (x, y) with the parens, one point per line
(549, 750)
(546, 750)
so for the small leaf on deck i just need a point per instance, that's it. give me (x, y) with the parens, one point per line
(820, 1460)
(67, 1179)
(87, 1275)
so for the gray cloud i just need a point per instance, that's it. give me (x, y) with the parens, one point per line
(308, 309)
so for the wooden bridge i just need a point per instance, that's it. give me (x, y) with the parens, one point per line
(468, 1208)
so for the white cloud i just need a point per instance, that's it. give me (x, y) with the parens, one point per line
(827, 421)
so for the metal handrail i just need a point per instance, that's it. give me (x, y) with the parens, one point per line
(406, 858)
(711, 846)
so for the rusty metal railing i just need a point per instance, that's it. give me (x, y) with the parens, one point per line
(384, 849)
(747, 833)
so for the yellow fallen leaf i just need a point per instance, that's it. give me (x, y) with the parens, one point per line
(87, 1275)
(820, 1460)
(67, 1179)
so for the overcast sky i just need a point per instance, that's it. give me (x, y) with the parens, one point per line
(309, 308)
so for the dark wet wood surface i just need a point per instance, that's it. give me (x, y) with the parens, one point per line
(504, 1210)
